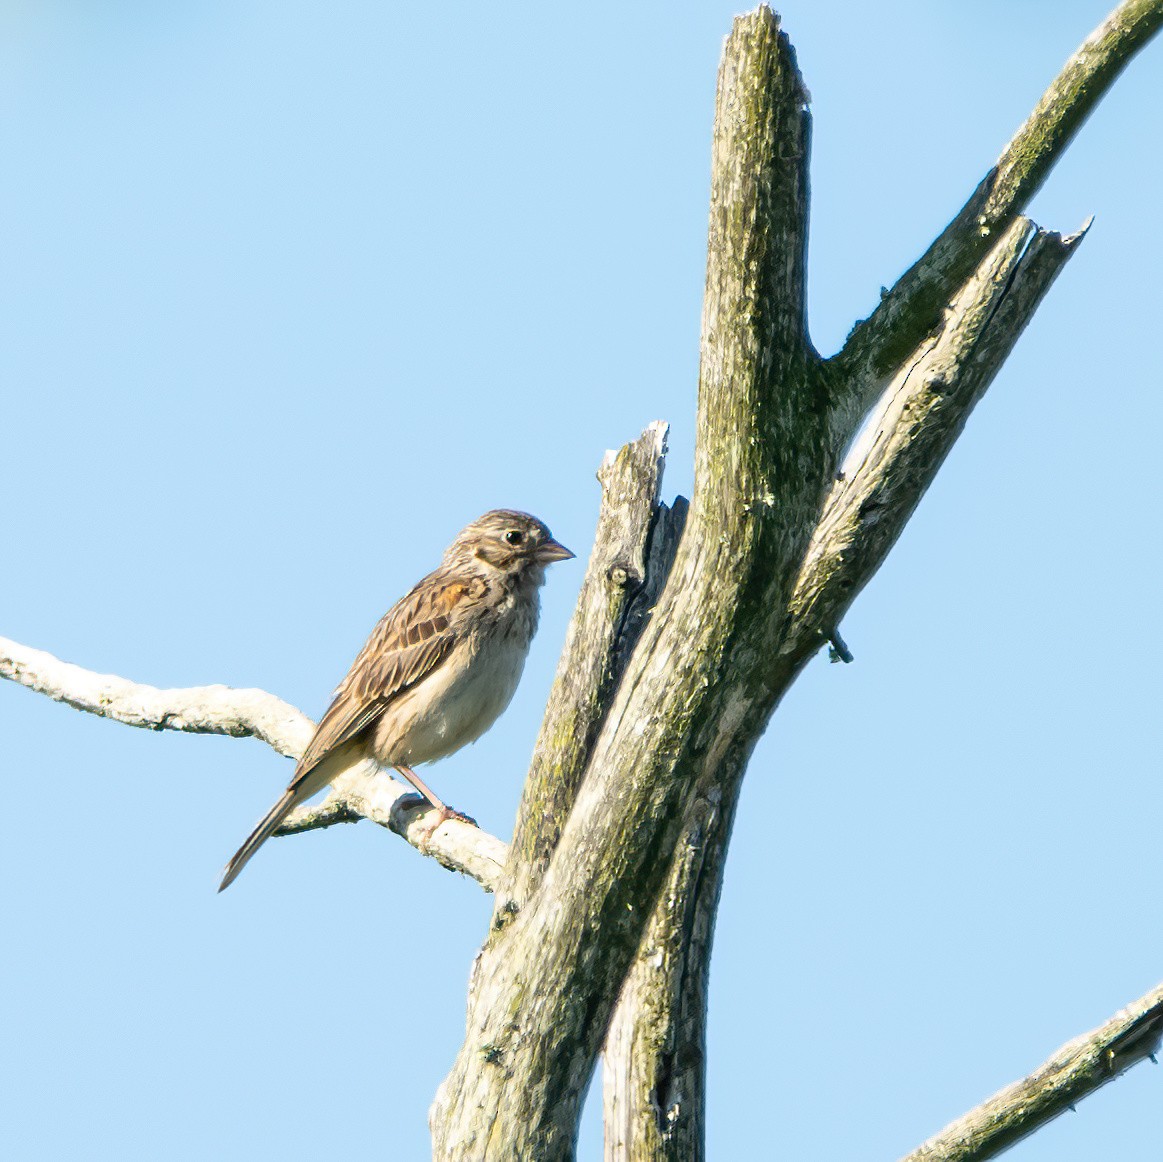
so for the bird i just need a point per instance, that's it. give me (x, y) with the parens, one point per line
(437, 671)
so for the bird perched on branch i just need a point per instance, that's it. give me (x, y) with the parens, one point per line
(436, 672)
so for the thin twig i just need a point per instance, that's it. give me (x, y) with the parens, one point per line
(839, 651)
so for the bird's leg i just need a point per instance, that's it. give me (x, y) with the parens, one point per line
(446, 812)
(420, 786)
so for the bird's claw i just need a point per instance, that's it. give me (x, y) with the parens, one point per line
(442, 813)
(449, 813)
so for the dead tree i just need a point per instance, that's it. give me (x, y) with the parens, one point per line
(691, 625)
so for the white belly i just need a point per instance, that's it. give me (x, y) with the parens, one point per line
(452, 707)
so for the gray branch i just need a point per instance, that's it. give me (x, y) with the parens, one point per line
(916, 422)
(911, 431)
(913, 307)
(1079, 1068)
(655, 1052)
(590, 665)
(654, 1060)
(196, 710)
(362, 794)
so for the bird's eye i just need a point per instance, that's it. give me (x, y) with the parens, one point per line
(515, 537)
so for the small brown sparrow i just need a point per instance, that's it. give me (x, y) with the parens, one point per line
(438, 669)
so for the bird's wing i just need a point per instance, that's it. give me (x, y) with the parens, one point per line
(410, 642)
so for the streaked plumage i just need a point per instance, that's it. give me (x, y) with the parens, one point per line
(438, 669)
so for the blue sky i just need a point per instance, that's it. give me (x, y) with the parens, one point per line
(290, 292)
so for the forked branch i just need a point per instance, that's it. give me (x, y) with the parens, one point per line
(876, 347)
(698, 688)
(916, 422)
(653, 1072)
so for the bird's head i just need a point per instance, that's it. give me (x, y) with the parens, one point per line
(509, 541)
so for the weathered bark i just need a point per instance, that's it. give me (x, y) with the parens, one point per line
(917, 418)
(877, 346)
(653, 1081)
(760, 381)
(606, 622)
(700, 685)
(1080, 1067)
(655, 1055)
(917, 421)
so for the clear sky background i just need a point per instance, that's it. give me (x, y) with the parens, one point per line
(290, 292)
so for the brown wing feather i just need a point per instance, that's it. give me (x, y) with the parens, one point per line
(409, 643)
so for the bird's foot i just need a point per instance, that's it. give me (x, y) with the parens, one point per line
(448, 813)
(439, 815)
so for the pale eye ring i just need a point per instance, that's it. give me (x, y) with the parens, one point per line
(515, 537)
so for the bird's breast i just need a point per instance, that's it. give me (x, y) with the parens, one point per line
(456, 703)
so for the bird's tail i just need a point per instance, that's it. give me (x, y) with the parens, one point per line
(259, 836)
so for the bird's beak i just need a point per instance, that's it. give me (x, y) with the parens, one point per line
(552, 551)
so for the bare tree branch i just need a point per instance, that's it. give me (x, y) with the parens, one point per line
(654, 1052)
(653, 1056)
(667, 741)
(196, 710)
(699, 686)
(1077, 1069)
(877, 346)
(894, 463)
(589, 668)
(654, 1060)
(362, 794)
(368, 792)
(916, 423)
